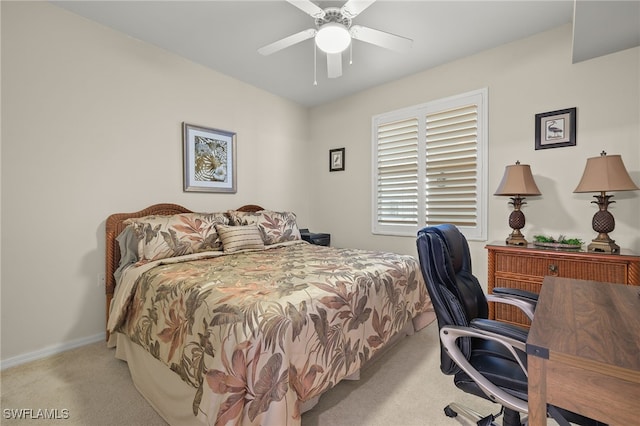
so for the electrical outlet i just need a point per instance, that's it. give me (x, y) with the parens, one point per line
(101, 280)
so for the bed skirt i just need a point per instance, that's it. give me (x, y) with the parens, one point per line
(172, 398)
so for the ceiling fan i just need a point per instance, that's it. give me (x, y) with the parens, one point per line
(334, 32)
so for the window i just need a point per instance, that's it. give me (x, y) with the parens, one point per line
(430, 166)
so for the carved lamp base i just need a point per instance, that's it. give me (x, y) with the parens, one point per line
(603, 223)
(603, 245)
(516, 222)
(516, 239)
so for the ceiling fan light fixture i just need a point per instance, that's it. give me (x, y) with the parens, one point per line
(333, 38)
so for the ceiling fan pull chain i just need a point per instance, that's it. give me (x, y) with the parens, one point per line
(351, 54)
(315, 68)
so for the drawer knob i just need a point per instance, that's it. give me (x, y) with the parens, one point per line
(553, 268)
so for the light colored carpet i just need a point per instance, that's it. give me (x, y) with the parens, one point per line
(404, 387)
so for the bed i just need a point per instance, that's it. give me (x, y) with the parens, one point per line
(230, 318)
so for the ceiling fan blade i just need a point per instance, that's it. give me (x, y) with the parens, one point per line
(287, 41)
(309, 8)
(353, 8)
(380, 38)
(334, 65)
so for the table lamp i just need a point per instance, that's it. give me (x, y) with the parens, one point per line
(603, 174)
(516, 182)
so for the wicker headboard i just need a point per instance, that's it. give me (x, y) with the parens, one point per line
(115, 225)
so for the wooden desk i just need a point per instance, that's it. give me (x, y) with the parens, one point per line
(584, 351)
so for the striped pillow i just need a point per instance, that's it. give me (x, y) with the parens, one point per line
(236, 238)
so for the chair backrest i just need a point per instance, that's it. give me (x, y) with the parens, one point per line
(456, 294)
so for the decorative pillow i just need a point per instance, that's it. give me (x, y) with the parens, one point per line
(160, 237)
(236, 238)
(275, 227)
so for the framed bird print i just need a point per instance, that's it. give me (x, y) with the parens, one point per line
(556, 129)
(209, 159)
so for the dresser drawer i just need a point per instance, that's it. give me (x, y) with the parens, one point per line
(540, 266)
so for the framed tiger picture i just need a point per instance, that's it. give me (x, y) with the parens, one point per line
(209, 159)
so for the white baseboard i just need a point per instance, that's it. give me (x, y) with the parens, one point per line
(49, 351)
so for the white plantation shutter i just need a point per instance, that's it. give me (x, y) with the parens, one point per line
(397, 178)
(451, 167)
(429, 167)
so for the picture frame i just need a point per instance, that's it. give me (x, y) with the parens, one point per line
(209, 157)
(336, 160)
(556, 129)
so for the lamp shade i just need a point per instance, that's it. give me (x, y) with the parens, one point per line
(333, 38)
(517, 180)
(605, 173)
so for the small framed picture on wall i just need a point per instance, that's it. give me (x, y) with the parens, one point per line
(556, 129)
(336, 160)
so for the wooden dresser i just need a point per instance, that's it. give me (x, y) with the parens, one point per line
(525, 267)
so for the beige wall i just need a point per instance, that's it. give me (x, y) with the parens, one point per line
(92, 126)
(524, 78)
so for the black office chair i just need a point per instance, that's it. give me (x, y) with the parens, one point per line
(487, 358)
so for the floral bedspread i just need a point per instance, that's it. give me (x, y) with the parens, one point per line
(258, 333)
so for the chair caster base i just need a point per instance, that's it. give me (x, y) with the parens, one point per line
(510, 417)
(448, 411)
(453, 409)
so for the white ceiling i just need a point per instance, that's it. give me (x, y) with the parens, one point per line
(225, 36)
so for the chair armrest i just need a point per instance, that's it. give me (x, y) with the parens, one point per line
(525, 304)
(516, 292)
(451, 333)
(501, 328)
